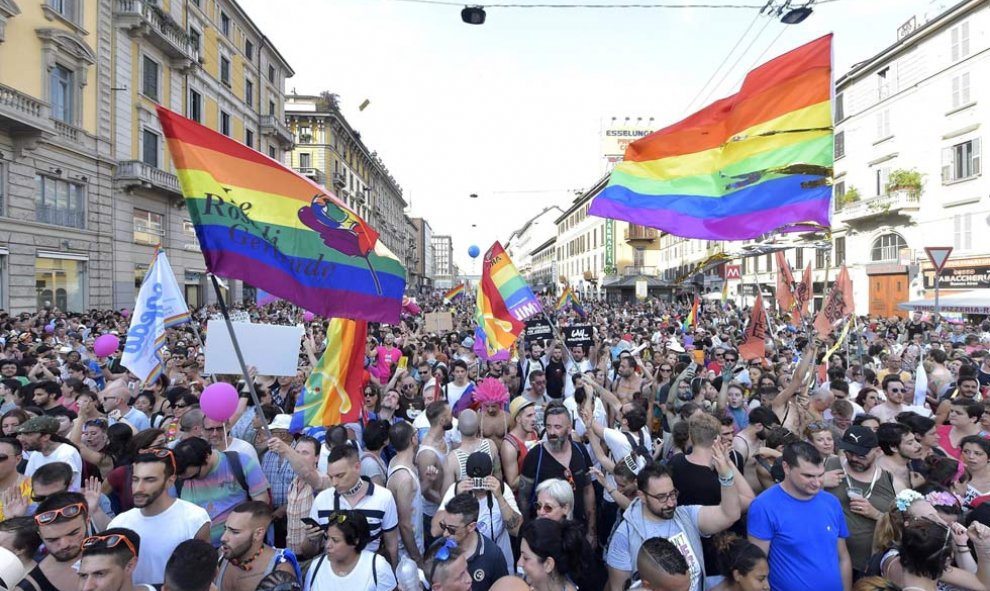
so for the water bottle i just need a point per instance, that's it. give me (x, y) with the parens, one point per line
(407, 575)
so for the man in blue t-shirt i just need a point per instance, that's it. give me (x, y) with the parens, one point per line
(802, 528)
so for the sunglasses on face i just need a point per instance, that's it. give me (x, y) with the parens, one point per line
(67, 512)
(111, 541)
(545, 508)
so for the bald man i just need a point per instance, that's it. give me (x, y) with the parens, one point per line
(510, 583)
(469, 426)
(662, 567)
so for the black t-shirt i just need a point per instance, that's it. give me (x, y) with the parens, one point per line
(486, 565)
(914, 328)
(556, 374)
(539, 465)
(36, 581)
(60, 411)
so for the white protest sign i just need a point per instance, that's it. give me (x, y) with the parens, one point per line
(274, 350)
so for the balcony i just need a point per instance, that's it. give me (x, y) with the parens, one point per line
(640, 235)
(27, 118)
(632, 271)
(314, 174)
(145, 19)
(276, 128)
(137, 174)
(899, 202)
(338, 180)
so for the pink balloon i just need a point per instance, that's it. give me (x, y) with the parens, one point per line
(125, 312)
(49, 328)
(308, 316)
(106, 345)
(219, 401)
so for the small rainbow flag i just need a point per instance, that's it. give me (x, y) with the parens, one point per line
(454, 293)
(725, 294)
(262, 223)
(333, 393)
(568, 297)
(505, 300)
(692, 317)
(754, 162)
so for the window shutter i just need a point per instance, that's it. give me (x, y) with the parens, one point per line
(955, 92)
(976, 156)
(954, 34)
(946, 164)
(964, 39)
(964, 89)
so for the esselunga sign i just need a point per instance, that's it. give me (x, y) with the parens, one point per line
(970, 273)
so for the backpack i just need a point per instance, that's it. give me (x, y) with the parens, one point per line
(637, 448)
(234, 459)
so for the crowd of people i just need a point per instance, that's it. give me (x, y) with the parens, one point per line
(650, 455)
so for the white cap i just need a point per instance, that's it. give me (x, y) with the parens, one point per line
(281, 422)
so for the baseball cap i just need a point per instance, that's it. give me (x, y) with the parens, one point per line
(859, 440)
(479, 465)
(43, 424)
(281, 422)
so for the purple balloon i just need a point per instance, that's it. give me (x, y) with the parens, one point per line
(308, 316)
(219, 401)
(125, 312)
(49, 328)
(106, 345)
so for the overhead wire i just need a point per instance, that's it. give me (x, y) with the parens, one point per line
(723, 62)
(593, 6)
(742, 54)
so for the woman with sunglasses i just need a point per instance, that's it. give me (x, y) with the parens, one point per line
(346, 565)
(552, 555)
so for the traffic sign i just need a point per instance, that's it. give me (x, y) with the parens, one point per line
(938, 255)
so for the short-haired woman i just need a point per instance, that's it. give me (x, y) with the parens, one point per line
(346, 564)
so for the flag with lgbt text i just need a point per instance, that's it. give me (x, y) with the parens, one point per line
(505, 300)
(334, 393)
(263, 223)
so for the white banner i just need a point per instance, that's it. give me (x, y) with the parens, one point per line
(272, 349)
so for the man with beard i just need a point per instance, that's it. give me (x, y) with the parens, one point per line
(968, 387)
(534, 361)
(899, 446)
(40, 435)
(894, 390)
(556, 372)
(629, 381)
(162, 521)
(747, 443)
(108, 561)
(578, 364)
(61, 520)
(245, 559)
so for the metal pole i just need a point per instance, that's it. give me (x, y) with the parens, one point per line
(938, 317)
(240, 357)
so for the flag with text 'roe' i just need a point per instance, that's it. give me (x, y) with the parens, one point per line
(504, 300)
(263, 223)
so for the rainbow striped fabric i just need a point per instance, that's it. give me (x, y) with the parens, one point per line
(260, 222)
(745, 165)
(454, 293)
(692, 317)
(568, 297)
(333, 393)
(505, 300)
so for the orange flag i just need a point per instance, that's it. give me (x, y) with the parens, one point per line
(754, 345)
(803, 292)
(838, 304)
(785, 281)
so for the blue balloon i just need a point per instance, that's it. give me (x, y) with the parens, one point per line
(474, 251)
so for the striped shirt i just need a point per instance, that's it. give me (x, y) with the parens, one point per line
(377, 506)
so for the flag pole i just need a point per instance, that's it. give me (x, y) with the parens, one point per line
(202, 347)
(240, 357)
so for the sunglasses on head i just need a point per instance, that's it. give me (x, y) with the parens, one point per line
(111, 541)
(442, 554)
(160, 453)
(67, 512)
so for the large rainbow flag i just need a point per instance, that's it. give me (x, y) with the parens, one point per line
(505, 300)
(333, 393)
(754, 162)
(454, 293)
(260, 222)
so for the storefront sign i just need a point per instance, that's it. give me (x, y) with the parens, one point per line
(609, 246)
(971, 273)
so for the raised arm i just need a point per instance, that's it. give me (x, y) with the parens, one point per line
(797, 380)
(713, 519)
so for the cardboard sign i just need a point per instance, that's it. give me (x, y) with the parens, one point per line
(438, 322)
(274, 350)
(538, 328)
(581, 335)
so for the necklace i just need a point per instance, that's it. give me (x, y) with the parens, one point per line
(354, 489)
(245, 565)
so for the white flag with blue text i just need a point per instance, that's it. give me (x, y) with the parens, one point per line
(160, 305)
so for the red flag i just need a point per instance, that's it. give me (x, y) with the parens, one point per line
(838, 304)
(803, 292)
(785, 281)
(754, 345)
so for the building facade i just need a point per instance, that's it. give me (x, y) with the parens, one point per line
(536, 231)
(425, 261)
(444, 270)
(542, 274)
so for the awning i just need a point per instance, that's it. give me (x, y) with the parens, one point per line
(976, 301)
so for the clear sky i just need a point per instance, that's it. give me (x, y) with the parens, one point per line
(512, 110)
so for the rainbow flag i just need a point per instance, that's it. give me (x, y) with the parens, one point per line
(263, 298)
(454, 293)
(334, 393)
(260, 222)
(725, 294)
(568, 297)
(692, 317)
(505, 300)
(743, 166)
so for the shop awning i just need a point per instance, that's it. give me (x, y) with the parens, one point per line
(976, 301)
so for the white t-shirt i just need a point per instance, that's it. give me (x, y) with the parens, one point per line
(377, 505)
(244, 448)
(63, 453)
(621, 557)
(160, 534)
(361, 577)
(454, 392)
(490, 520)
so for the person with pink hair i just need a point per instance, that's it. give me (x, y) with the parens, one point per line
(491, 397)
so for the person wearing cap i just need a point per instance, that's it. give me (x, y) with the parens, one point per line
(865, 490)
(462, 522)
(108, 562)
(61, 520)
(40, 434)
(519, 439)
(278, 471)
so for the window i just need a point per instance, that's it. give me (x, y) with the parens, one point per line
(840, 111)
(249, 50)
(962, 231)
(196, 39)
(225, 70)
(188, 228)
(883, 124)
(68, 9)
(959, 36)
(271, 107)
(798, 258)
(271, 152)
(225, 24)
(305, 134)
(271, 74)
(248, 91)
(838, 192)
(60, 283)
(149, 78)
(224, 123)
(882, 173)
(887, 247)
(149, 148)
(840, 250)
(883, 83)
(960, 90)
(63, 94)
(840, 145)
(961, 161)
(195, 107)
(59, 202)
(149, 227)
(139, 272)
(304, 160)
(249, 137)
(819, 259)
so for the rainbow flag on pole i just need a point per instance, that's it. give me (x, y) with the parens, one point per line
(262, 223)
(757, 161)
(333, 393)
(725, 294)
(568, 297)
(454, 293)
(692, 317)
(505, 300)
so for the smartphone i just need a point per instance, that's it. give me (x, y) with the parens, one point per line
(312, 522)
(403, 362)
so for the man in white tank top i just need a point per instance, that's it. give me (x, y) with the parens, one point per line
(403, 481)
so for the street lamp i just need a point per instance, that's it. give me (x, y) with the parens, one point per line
(794, 16)
(473, 15)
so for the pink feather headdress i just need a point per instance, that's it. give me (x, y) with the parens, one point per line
(491, 391)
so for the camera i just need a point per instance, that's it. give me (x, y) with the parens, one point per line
(478, 483)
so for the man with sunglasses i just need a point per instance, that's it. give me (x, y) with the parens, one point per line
(61, 520)
(11, 481)
(108, 562)
(159, 518)
(40, 434)
(459, 522)
(896, 393)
